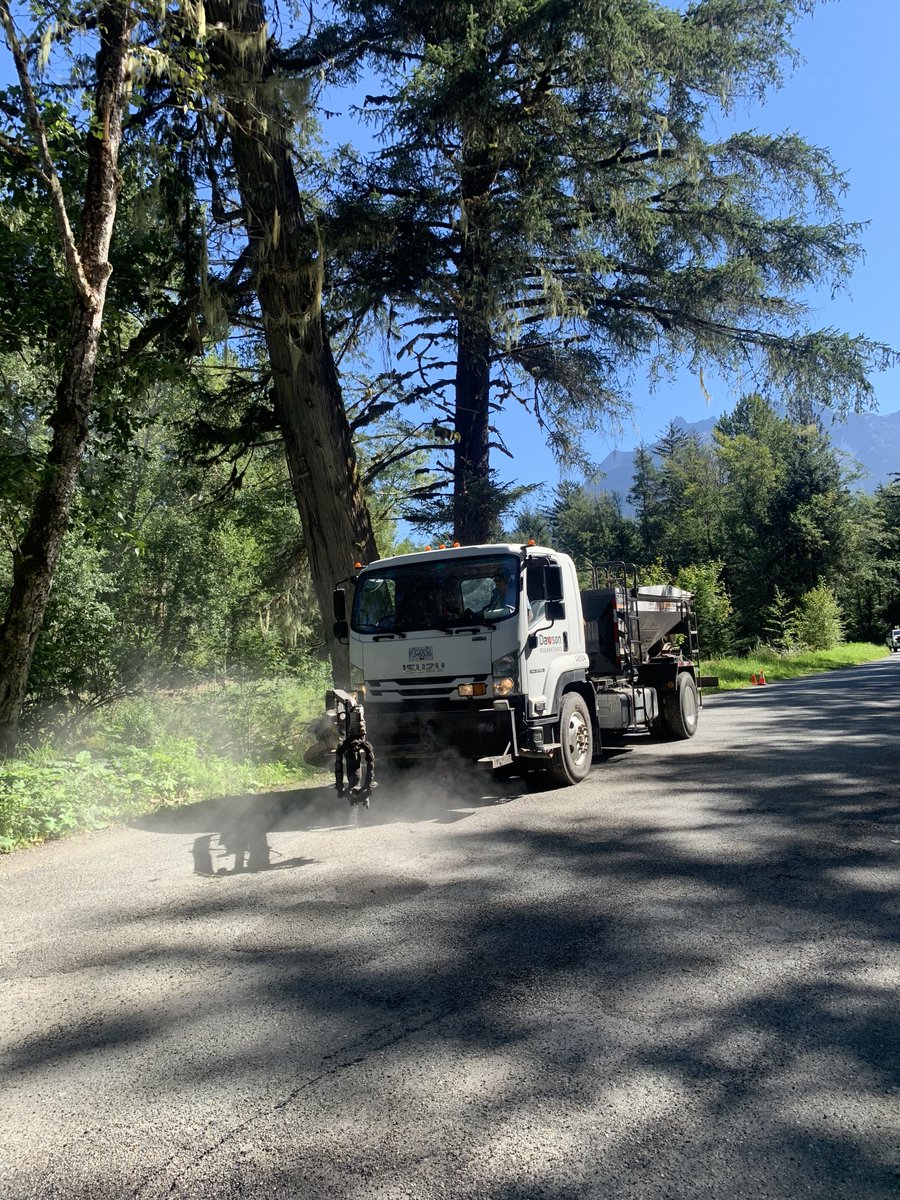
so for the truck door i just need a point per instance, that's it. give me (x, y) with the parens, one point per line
(538, 656)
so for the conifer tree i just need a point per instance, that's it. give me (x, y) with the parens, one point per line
(287, 269)
(551, 213)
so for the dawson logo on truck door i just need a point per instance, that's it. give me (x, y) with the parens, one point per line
(550, 641)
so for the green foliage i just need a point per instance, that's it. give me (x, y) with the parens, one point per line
(256, 719)
(82, 646)
(654, 573)
(163, 748)
(587, 524)
(431, 509)
(26, 387)
(712, 604)
(678, 501)
(816, 621)
(549, 198)
(757, 524)
(786, 512)
(170, 571)
(777, 630)
(868, 588)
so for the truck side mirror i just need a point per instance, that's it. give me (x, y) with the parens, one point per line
(553, 582)
(555, 610)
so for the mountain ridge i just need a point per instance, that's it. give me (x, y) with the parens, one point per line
(871, 440)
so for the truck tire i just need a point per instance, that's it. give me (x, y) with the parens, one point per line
(572, 761)
(681, 709)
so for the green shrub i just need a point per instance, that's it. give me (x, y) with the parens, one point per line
(778, 628)
(136, 720)
(711, 602)
(163, 748)
(816, 621)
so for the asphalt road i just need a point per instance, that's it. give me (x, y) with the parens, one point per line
(679, 979)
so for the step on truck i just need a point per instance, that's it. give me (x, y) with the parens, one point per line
(497, 653)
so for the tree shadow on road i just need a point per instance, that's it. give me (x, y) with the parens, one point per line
(691, 994)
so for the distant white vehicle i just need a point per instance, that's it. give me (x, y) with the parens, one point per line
(893, 639)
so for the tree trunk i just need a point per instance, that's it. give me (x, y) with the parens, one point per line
(288, 276)
(473, 515)
(474, 509)
(36, 559)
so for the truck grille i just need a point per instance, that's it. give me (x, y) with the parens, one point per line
(436, 687)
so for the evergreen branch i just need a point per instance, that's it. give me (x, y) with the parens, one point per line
(382, 464)
(372, 412)
(620, 159)
(178, 319)
(301, 58)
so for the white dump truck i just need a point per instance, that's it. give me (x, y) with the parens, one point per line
(497, 653)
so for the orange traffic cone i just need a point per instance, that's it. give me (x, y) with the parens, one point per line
(761, 679)
(753, 677)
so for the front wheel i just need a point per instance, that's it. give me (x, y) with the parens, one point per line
(681, 709)
(572, 761)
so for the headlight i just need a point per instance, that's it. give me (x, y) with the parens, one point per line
(505, 671)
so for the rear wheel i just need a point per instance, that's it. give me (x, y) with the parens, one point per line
(572, 761)
(681, 708)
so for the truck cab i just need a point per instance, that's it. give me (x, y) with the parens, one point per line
(494, 653)
(465, 649)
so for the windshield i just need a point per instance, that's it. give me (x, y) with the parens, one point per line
(443, 594)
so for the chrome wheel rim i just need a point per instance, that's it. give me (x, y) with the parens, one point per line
(578, 739)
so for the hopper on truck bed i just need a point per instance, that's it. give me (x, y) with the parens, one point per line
(660, 609)
(628, 623)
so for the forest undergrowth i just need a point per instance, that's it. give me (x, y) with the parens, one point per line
(163, 748)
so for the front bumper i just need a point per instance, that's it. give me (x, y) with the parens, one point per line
(401, 732)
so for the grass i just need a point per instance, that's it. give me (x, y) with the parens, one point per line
(161, 749)
(735, 672)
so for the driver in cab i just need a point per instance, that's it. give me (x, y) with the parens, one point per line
(503, 596)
